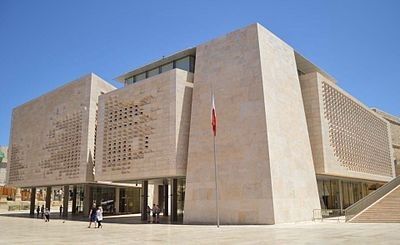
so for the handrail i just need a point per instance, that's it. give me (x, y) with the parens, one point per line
(367, 201)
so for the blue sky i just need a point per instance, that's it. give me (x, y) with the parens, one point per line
(44, 44)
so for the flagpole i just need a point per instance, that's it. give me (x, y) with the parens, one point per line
(215, 166)
(216, 183)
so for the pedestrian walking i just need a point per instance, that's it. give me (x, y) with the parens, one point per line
(99, 217)
(37, 211)
(47, 215)
(92, 215)
(42, 211)
(61, 209)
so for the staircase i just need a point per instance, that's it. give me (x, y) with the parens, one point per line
(381, 206)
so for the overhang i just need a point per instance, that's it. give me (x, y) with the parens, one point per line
(157, 63)
(306, 66)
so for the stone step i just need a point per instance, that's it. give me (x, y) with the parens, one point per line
(386, 210)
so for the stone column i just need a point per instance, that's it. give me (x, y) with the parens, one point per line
(166, 196)
(174, 200)
(33, 198)
(74, 199)
(145, 190)
(155, 194)
(341, 196)
(87, 199)
(116, 201)
(48, 197)
(18, 194)
(65, 200)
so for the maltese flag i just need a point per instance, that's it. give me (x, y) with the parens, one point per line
(213, 117)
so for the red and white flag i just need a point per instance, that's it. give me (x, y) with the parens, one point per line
(213, 117)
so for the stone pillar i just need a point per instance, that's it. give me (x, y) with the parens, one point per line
(341, 196)
(155, 195)
(48, 197)
(18, 195)
(33, 198)
(116, 201)
(166, 196)
(174, 200)
(74, 199)
(65, 200)
(87, 199)
(145, 190)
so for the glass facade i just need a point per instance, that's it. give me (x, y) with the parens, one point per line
(167, 67)
(129, 200)
(181, 197)
(183, 64)
(329, 194)
(340, 194)
(186, 63)
(139, 77)
(153, 72)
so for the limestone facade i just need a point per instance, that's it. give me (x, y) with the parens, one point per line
(264, 159)
(394, 123)
(347, 138)
(143, 129)
(52, 136)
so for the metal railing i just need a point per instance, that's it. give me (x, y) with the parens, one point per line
(321, 214)
(18, 207)
(367, 201)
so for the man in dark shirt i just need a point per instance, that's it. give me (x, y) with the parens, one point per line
(92, 215)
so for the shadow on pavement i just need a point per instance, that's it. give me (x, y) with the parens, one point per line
(118, 219)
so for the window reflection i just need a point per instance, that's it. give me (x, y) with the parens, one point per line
(183, 64)
(141, 76)
(153, 72)
(167, 67)
(336, 194)
(187, 63)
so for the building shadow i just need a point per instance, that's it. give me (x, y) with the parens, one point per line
(115, 219)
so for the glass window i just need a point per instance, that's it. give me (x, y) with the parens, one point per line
(153, 72)
(167, 67)
(141, 76)
(192, 63)
(183, 63)
(129, 80)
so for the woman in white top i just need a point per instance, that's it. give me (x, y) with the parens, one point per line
(99, 217)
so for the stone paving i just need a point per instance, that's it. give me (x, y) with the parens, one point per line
(16, 230)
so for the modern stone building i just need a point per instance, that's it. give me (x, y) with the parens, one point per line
(289, 139)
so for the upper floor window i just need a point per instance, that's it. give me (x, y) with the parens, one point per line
(167, 67)
(186, 63)
(140, 76)
(153, 72)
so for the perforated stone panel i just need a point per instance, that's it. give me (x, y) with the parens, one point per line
(359, 139)
(17, 164)
(127, 131)
(52, 136)
(395, 135)
(143, 128)
(63, 147)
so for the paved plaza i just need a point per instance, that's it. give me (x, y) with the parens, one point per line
(17, 230)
